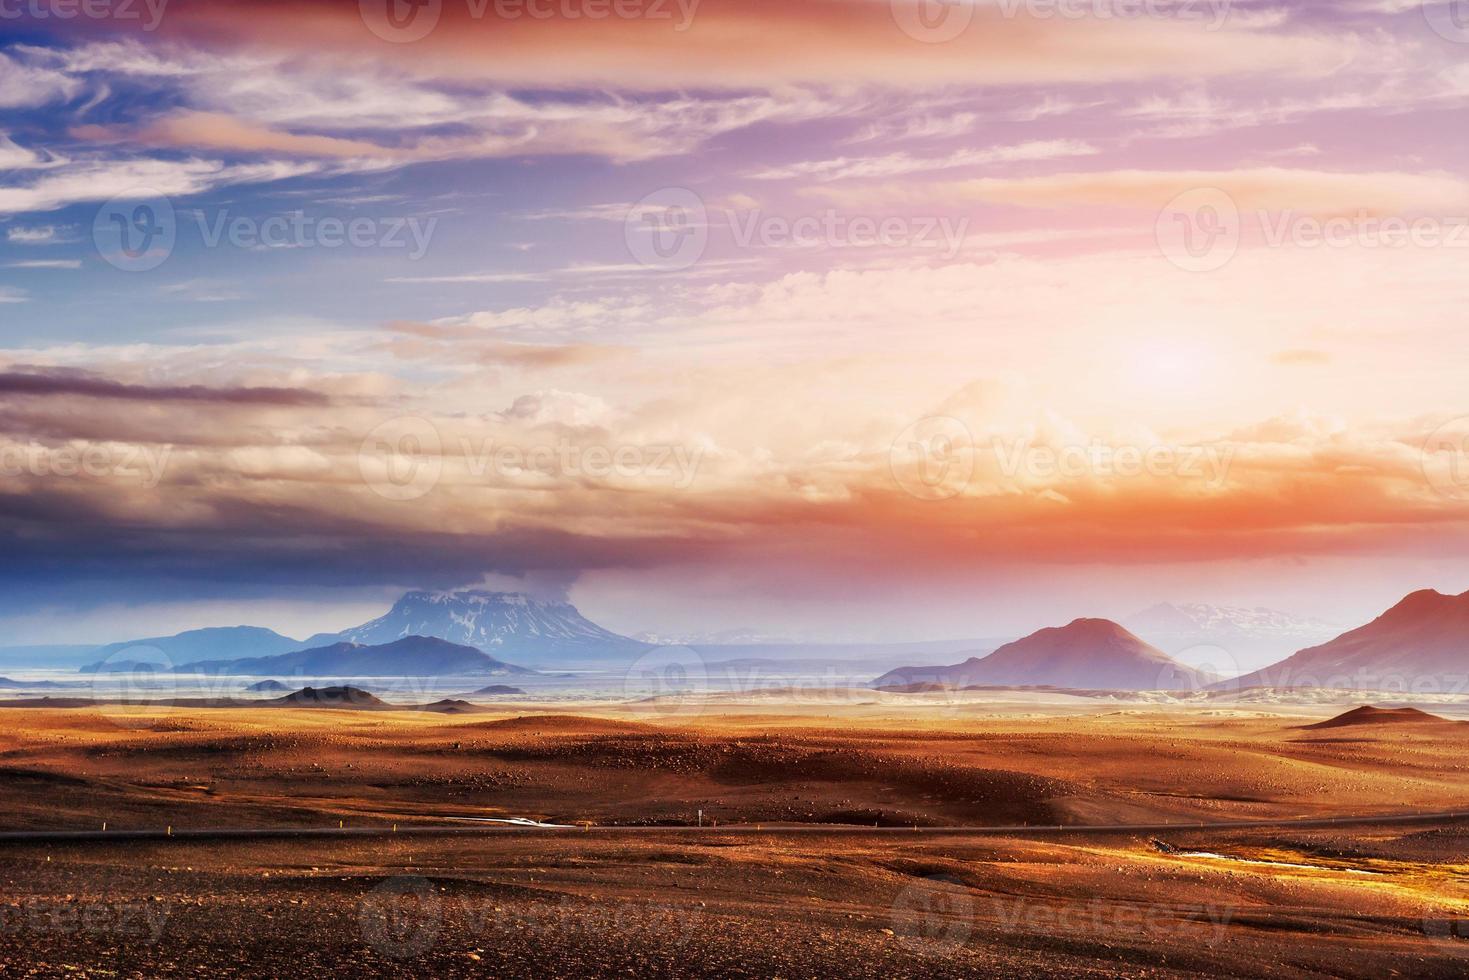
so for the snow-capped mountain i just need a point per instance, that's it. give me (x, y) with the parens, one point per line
(1182, 617)
(1250, 637)
(510, 626)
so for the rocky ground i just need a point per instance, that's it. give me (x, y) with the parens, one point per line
(1390, 900)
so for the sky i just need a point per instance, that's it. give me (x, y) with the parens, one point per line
(832, 319)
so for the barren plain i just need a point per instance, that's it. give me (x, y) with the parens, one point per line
(862, 840)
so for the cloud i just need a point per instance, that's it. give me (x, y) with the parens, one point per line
(741, 45)
(1263, 188)
(897, 164)
(81, 385)
(303, 105)
(36, 235)
(45, 264)
(566, 408)
(217, 131)
(25, 86)
(457, 345)
(101, 179)
(15, 157)
(1301, 357)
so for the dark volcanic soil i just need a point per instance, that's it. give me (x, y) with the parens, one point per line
(633, 899)
(757, 906)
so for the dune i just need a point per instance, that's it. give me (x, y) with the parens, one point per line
(580, 724)
(451, 706)
(1370, 715)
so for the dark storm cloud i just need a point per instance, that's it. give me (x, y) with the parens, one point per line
(79, 384)
(56, 544)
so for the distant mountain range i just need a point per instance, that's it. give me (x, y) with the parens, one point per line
(741, 636)
(1420, 645)
(7, 684)
(167, 652)
(511, 625)
(412, 656)
(47, 656)
(501, 630)
(1249, 637)
(1084, 654)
